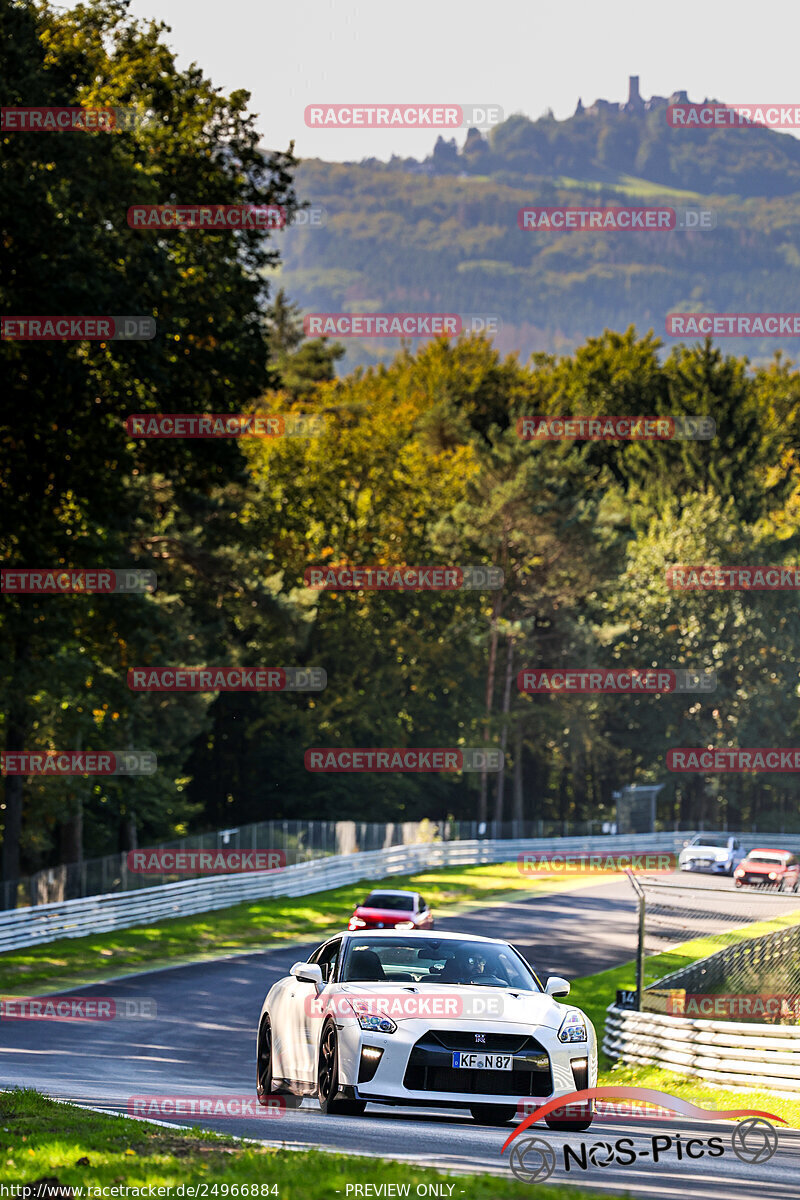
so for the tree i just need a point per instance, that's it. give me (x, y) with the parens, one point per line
(67, 249)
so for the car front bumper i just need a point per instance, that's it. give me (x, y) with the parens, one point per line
(705, 865)
(414, 1069)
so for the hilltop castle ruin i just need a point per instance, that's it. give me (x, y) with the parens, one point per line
(634, 103)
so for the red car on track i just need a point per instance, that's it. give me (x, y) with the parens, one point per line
(770, 868)
(392, 910)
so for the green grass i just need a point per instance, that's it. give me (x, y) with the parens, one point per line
(44, 1139)
(254, 925)
(632, 185)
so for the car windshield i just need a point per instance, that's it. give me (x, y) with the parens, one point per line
(437, 961)
(774, 860)
(720, 844)
(389, 900)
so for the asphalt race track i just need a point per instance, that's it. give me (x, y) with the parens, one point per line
(202, 1041)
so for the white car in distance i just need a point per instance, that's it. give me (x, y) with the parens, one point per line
(716, 853)
(424, 1019)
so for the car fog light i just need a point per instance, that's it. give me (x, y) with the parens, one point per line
(580, 1073)
(370, 1057)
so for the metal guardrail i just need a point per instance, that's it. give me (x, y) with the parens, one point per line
(742, 1054)
(301, 839)
(99, 914)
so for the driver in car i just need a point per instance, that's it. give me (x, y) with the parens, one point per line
(463, 967)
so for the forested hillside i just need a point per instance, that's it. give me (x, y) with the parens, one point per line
(442, 235)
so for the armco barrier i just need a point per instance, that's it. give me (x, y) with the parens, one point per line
(99, 914)
(738, 1053)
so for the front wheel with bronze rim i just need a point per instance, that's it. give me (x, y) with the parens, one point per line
(328, 1078)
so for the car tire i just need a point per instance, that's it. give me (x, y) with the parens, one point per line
(737, 883)
(493, 1114)
(264, 1089)
(559, 1126)
(328, 1078)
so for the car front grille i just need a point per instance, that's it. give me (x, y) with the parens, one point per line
(430, 1066)
(460, 1039)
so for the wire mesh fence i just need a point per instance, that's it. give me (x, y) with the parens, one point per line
(734, 952)
(298, 841)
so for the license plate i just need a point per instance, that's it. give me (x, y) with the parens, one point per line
(482, 1062)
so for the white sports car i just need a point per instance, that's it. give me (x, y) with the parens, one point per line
(425, 1019)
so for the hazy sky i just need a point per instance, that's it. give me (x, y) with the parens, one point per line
(525, 55)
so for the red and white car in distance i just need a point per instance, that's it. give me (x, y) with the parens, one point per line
(770, 868)
(385, 909)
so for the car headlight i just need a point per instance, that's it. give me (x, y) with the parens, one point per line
(773, 874)
(573, 1028)
(377, 1024)
(404, 925)
(357, 923)
(370, 1020)
(739, 871)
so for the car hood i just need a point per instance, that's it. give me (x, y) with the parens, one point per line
(440, 1005)
(705, 852)
(760, 868)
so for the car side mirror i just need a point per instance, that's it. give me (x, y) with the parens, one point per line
(307, 973)
(556, 986)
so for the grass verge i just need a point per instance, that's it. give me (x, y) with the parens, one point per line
(43, 1140)
(256, 925)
